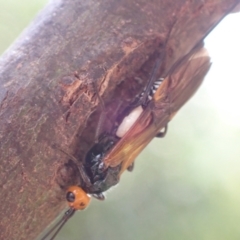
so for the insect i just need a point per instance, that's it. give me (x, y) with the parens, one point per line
(113, 154)
(103, 178)
(94, 177)
(179, 85)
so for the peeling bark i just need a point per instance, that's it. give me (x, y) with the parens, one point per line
(49, 79)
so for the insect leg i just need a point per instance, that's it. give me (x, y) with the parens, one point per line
(131, 167)
(98, 196)
(162, 134)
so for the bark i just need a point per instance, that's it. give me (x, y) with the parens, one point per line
(49, 79)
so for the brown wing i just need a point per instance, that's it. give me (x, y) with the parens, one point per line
(172, 94)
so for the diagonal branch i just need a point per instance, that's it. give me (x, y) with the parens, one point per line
(47, 89)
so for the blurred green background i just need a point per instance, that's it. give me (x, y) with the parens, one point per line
(185, 186)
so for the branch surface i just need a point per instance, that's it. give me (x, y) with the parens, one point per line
(48, 80)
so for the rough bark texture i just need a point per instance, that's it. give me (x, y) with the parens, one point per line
(48, 97)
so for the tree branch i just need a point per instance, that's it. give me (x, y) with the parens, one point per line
(48, 81)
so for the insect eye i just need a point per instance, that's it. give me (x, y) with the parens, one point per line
(77, 198)
(70, 196)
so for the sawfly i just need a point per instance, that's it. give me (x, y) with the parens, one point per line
(178, 86)
(113, 154)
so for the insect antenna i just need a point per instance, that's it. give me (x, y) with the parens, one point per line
(58, 226)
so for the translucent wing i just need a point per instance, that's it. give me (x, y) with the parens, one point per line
(181, 83)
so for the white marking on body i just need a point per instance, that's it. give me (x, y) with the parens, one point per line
(128, 121)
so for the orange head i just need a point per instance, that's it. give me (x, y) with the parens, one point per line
(77, 198)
